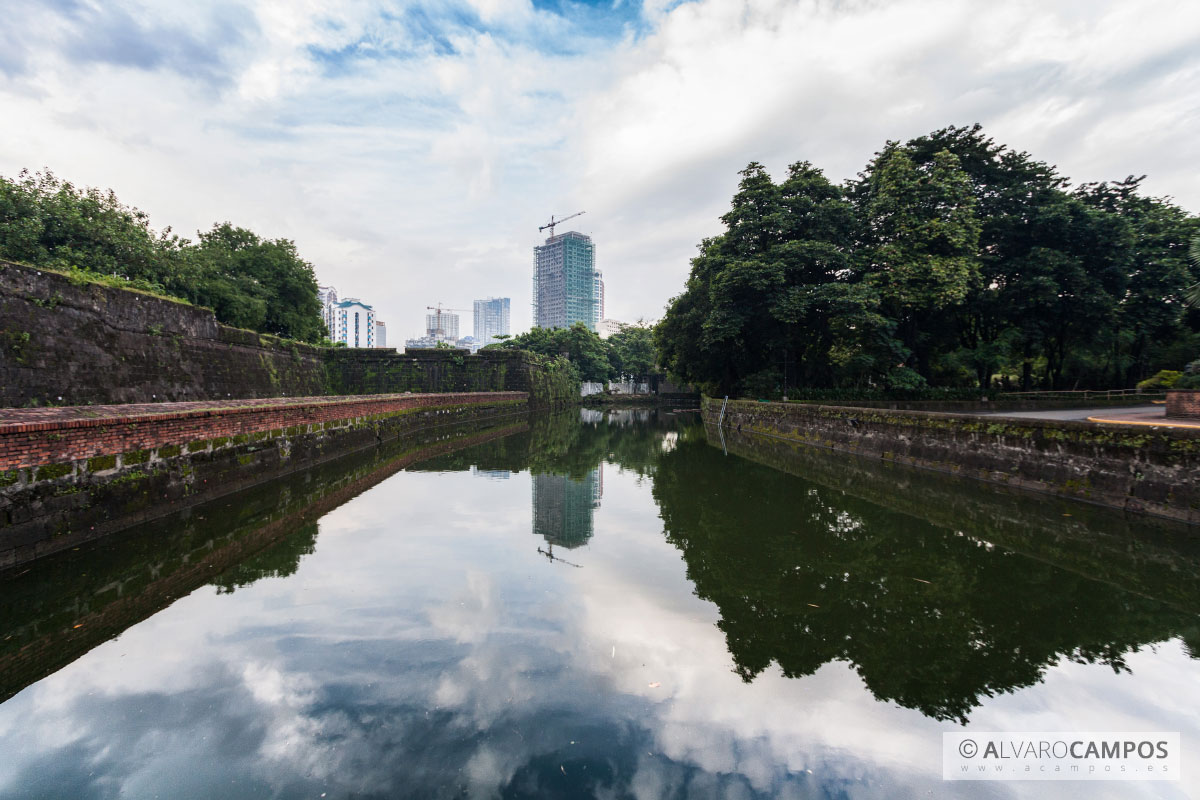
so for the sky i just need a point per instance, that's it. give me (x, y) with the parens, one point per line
(412, 148)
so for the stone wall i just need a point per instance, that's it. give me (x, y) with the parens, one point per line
(1183, 403)
(1150, 470)
(69, 479)
(67, 343)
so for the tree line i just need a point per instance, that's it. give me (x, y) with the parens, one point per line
(248, 281)
(627, 353)
(950, 261)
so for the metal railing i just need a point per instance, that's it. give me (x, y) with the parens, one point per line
(1083, 394)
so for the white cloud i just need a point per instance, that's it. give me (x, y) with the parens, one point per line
(412, 148)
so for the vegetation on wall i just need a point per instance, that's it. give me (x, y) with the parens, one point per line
(950, 261)
(248, 281)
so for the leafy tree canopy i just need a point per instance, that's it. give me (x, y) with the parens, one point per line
(249, 282)
(950, 261)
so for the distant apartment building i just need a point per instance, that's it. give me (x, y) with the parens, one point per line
(442, 326)
(327, 296)
(352, 322)
(610, 326)
(567, 287)
(491, 319)
(380, 333)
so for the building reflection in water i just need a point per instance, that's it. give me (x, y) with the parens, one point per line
(563, 509)
(491, 474)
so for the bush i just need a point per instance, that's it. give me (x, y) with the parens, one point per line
(1165, 379)
(1191, 381)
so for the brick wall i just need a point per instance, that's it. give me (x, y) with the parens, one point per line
(55, 436)
(1183, 403)
(71, 478)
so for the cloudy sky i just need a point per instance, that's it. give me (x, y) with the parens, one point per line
(412, 148)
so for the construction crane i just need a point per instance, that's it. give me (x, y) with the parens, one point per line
(439, 330)
(554, 222)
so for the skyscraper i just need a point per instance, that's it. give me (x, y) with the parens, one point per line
(566, 283)
(491, 319)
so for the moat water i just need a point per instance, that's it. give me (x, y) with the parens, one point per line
(611, 605)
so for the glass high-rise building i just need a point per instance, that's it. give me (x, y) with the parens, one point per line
(491, 319)
(566, 284)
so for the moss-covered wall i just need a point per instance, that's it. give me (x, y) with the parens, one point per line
(64, 343)
(1150, 470)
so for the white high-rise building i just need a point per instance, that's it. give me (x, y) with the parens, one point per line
(491, 319)
(327, 295)
(380, 333)
(353, 323)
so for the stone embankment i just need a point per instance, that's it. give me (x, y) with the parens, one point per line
(65, 342)
(1145, 469)
(68, 475)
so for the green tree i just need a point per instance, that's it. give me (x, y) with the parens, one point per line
(581, 346)
(922, 240)
(631, 350)
(248, 281)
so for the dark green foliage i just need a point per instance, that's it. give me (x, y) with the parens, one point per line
(583, 348)
(631, 350)
(950, 261)
(249, 282)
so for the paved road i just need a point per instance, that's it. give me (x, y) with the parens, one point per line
(1143, 412)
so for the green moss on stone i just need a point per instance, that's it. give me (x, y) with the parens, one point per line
(220, 441)
(9, 477)
(135, 457)
(52, 471)
(100, 463)
(169, 451)
(196, 447)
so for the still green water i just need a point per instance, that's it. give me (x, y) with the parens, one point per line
(593, 605)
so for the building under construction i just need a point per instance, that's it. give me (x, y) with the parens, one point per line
(567, 287)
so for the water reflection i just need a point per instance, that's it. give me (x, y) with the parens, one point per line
(563, 507)
(933, 620)
(736, 631)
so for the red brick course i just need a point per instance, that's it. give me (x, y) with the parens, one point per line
(1183, 403)
(32, 437)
